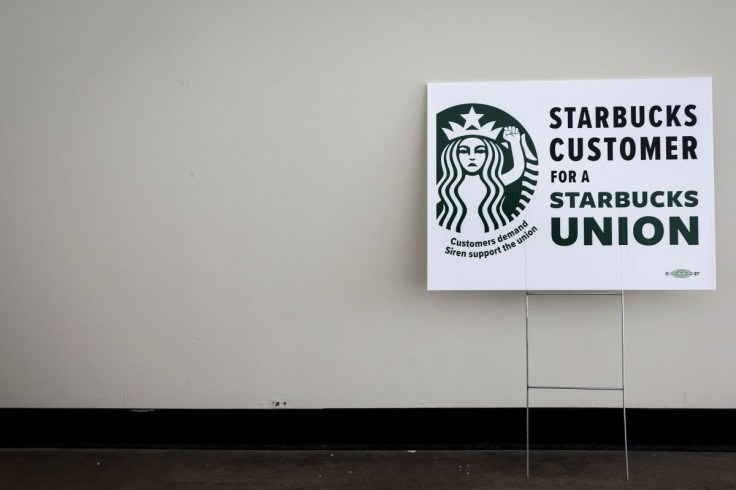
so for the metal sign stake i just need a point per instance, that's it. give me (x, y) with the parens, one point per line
(621, 388)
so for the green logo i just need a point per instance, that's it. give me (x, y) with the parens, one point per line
(681, 273)
(486, 168)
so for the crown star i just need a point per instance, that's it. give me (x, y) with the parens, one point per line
(472, 119)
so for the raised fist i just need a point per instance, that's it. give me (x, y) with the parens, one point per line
(511, 134)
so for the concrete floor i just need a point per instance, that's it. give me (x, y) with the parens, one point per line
(195, 469)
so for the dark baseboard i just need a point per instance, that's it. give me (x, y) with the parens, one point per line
(409, 428)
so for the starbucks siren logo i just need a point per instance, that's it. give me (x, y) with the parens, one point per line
(486, 168)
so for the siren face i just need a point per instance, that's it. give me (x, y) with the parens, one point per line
(472, 154)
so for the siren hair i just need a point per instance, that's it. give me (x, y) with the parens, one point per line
(452, 209)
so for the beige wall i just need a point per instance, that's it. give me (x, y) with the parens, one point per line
(222, 204)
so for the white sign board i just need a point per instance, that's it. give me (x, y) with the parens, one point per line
(571, 185)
